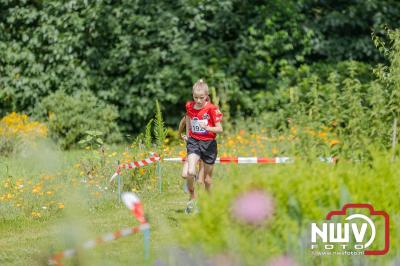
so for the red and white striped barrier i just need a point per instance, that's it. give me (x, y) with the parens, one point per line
(241, 160)
(134, 204)
(55, 259)
(136, 164)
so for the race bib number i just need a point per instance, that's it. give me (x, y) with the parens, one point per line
(196, 128)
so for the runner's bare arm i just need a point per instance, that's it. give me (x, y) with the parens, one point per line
(182, 125)
(216, 129)
(187, 126)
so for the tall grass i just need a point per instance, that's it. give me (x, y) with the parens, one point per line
(302, 193)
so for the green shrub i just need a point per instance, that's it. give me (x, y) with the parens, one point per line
(69, 117)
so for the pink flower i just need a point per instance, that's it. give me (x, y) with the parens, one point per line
(253, 207)
(224, 259)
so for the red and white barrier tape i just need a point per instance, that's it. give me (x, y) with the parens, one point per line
(221, 160)
(241, 160)
(136, 164)
(253, 160)
(55, 259)
(134, 204)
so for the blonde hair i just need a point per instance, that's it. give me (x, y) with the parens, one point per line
(201, 85)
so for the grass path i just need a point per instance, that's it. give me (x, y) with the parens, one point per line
(26, 241)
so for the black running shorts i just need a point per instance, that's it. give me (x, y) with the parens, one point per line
(206, 149)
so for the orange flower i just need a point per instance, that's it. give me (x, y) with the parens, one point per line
(322, 134)
(333, 142)
(230, 143)
(182, 154)
(142, 171)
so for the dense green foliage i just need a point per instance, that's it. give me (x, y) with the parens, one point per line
(342, 28)
(71, 117)
(359, 110)
(130, 52)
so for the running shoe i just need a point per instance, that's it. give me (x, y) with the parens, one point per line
(191, 207)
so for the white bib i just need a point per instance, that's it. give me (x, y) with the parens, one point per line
(196, 128)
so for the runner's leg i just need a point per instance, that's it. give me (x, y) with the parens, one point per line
(208, 170)
(192, 161)
(201, 173)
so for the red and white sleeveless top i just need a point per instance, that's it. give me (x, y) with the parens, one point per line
(209, 115)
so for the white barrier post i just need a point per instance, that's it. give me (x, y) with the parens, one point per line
(119, 185)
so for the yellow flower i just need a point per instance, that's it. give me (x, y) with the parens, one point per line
(334, 142)
(36, 214)
(16, 124)
(46, 177)
(49, 192)
(36, 189)
(182, 154)
(230, 143)
(142, 171)
(61, 205)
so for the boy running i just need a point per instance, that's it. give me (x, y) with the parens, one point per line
(203, 122)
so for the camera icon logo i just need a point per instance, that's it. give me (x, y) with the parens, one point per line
(355, 235)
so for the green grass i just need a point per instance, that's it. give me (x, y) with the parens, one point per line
(302, 193)
(28, 240)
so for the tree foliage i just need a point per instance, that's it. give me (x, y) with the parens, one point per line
(129, 53)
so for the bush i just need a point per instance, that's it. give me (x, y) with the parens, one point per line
(69, 117)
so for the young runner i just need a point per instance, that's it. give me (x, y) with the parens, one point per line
(203, 123)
